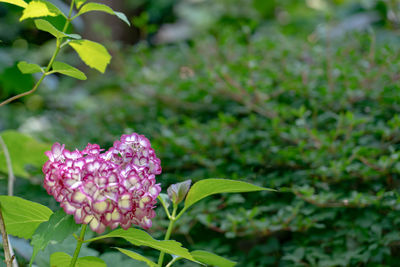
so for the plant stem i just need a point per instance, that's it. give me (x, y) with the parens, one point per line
(71, 7)
(172, 220)
(11, 179)
(181, 213)
(173, 261)
(25, 93)
(165, 207)
(59, 42)
(81, 239)
(6, 247)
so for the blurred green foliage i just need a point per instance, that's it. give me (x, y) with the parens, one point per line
(283, 94)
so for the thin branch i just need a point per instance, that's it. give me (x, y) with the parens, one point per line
(25, 93)
(6, 246)
(342, 204)
(11, 179)
(243, 97)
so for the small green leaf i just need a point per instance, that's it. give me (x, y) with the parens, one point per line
(27, 68)
(40, 8)
(137, 256)
(92, 53)
(21, 216)
(177, 192)
(79, 3)
(20, 3)
(141, 238)
(24, 150)
(212, 259)
(56, 229)
(46, 26)
(207, 187)
(101, 7)
(61, 259)
(90, 261)
(68, 70)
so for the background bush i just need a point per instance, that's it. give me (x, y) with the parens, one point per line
(261, 94)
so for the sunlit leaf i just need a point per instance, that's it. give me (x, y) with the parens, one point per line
(79, 3)
(20, 3)
(60, 259)
(27, 68)
(40, 8)
(211, 259)
(104, 8)
(21, 216)
(141, 238)
(137, 256)
(46, 26)
(68, 70)
(24, 150)
(59, 226)
(93, 54)
(208, 187)
(90, 261)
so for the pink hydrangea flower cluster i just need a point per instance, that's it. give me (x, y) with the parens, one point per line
(117, 187)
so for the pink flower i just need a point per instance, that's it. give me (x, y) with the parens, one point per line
(117, 187)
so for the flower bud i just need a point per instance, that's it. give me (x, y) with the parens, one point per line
(177, 192)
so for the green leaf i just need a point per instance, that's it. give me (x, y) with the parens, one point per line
(61, 259)
(137, 256)
(40, 8)
(24, 150)
(20, 3)
(101, 7)
(207, 187)
(68, 70)
(212, 259)
(56, 229)
(46, 26)
(21, 216)
(27, 68)
(177, 192)
(90, 261)
(92, 53)
(79, 3)
(141, 238)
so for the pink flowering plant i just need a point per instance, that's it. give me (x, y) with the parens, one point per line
(110, 191)
(115, 191)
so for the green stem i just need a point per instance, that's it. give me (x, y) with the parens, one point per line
(69, 15)
(172, 220)
(81, 239)
(173, 261)
(165, 207)
(181, 213)
(53, 57)
(59, 42)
